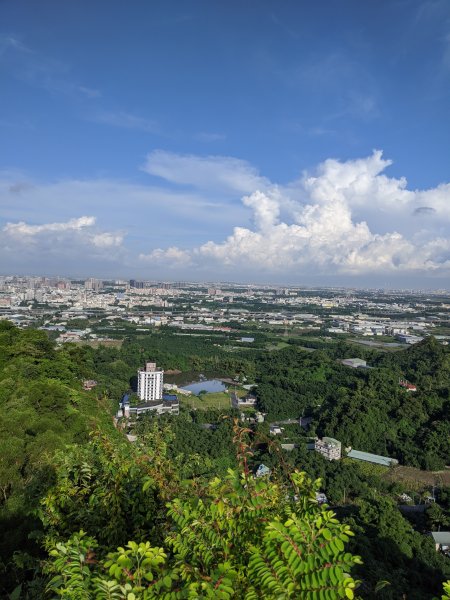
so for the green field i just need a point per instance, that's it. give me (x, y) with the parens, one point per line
(218, 400)
(277, 346)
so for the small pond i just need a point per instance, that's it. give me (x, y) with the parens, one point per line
(209, 385)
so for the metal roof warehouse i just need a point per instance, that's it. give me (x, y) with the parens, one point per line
(372, 458)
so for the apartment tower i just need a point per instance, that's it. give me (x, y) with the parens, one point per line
(150, 383)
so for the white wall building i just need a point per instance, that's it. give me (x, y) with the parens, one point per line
(150, 383)
(328, 447)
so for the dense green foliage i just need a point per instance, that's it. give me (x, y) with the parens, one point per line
(154, 507)
(235, 537)
(193, 435)
(366, 408)
(42, 409)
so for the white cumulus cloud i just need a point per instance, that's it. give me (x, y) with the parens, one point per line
(74, 242)
(348, 217)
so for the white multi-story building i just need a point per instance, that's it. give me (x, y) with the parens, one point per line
(150, 383)
(328, 447)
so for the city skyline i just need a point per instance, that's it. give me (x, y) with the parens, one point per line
(267, 143)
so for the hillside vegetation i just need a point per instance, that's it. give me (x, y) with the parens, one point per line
(179, 514)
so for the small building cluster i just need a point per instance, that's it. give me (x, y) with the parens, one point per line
(276, 429)
(331, 449)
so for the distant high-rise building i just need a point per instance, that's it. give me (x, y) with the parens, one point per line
(150, 383)
(134, 283)
(93, 284)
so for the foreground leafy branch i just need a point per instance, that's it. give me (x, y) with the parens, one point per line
(244, 538)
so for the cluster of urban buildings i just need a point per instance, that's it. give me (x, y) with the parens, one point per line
(407, 331)
(53, 303)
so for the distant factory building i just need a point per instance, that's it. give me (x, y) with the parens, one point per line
(409, 339)
(372, 458)
(355, 363)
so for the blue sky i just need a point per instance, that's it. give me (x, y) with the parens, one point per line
(265, 141)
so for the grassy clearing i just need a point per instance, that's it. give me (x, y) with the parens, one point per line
(277, 346)
(381, 346)
(416, 479)
(217, 400)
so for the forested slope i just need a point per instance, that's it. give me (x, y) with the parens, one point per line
(367, 408)
(42, 408)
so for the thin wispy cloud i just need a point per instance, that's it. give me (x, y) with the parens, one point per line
(430, 9)
(36, 69)
(9, 42)
(224, 174)
(208, 137)
(446, 52)
(286, 29)
(355, 104)
(126, 120)
(16, 124)
(89, 92)
(177, 211)
(351, 92)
